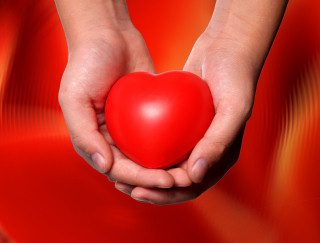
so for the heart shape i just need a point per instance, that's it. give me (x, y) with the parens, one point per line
(156, 120)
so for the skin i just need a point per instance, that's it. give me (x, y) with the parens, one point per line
(229, 56)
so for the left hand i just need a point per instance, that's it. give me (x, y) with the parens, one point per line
(229, 56)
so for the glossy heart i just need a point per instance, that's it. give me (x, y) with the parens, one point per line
(156, 120)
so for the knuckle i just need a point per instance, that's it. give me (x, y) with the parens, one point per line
(246, 110)
(69, 90)
(64, 93)
(244, 107)
(61, 97)
(138, 175)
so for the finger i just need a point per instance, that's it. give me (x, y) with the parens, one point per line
(180, 176)
(126, 171)
(164, 196)
(125, 188)
(183, 164)
(182, 194)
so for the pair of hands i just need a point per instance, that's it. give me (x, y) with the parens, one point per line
(98, 62)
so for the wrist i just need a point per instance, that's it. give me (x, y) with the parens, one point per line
(227, 51)
(92, 19)
(244, 45)
(247, 28)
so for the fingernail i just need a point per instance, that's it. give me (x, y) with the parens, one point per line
(199, 170)
(98, 162)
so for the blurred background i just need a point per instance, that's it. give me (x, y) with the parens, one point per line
(49, 194)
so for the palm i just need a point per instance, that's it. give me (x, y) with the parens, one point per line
(101, 64)
(233, 93)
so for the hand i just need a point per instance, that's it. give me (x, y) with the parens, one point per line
(95, 64)
(229, 56)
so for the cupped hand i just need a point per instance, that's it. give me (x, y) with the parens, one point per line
(232, 82)
(95, 64)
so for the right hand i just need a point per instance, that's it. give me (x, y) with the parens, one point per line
(95, 64)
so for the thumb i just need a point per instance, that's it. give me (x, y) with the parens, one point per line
(221, 134)
(86, 138)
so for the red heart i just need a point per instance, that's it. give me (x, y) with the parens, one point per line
(156, 120)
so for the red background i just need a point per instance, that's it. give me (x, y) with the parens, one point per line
(49, 194)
